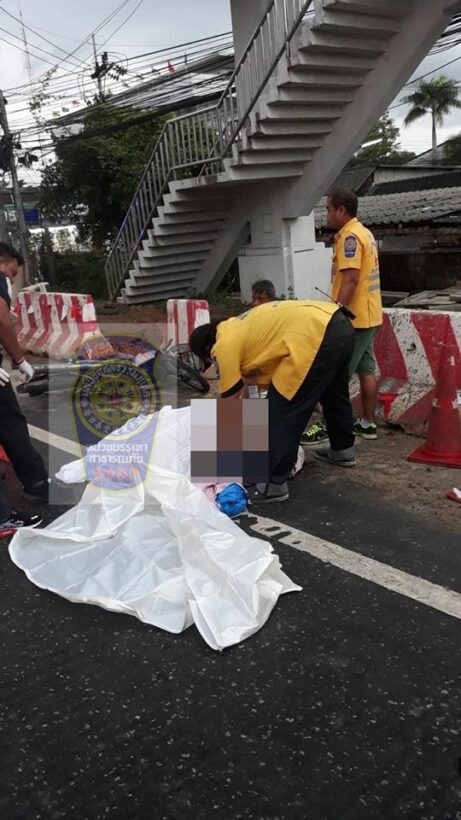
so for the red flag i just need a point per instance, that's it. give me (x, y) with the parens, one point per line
(171, 68)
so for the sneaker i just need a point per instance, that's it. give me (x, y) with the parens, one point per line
(339, 458)
(369, 432)
(316, 434)
(267, 493)
(17, 521)
(53, 492)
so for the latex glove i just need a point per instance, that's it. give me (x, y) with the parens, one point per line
(4, 377)
(27, 370)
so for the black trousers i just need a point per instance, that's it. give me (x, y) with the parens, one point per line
(14, 438)
(327, 382)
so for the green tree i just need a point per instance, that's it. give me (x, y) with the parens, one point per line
(386, 147)
(452, 150)
(96, 172)
(437, 97)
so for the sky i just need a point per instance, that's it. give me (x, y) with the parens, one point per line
(155, 24)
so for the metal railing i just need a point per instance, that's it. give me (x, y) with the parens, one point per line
(196, 144)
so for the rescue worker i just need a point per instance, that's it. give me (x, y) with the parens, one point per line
(14, 434)
(261, 292)
(302, 349)
(356, 284)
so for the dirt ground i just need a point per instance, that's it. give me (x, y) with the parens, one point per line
(421, 488)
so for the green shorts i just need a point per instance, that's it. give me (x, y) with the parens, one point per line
(363, 360)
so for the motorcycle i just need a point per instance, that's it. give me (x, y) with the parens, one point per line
(165, 365)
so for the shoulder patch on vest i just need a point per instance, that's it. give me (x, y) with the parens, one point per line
(350, 246)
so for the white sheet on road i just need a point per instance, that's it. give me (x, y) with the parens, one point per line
(161, 552)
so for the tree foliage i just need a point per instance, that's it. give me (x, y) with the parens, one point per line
(452, 150)
(437, 97)
(387, 149)
(96, 171)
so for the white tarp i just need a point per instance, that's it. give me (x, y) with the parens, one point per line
(161, 552)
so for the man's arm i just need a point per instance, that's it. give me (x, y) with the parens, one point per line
(8, 336)
(349, 281)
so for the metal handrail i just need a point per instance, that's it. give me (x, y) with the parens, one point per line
(196, 144)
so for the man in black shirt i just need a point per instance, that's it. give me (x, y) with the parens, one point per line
(14, 434)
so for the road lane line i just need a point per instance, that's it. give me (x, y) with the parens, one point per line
(418, 589)
(59, 442)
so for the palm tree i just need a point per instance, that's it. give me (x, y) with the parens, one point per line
(436, 97)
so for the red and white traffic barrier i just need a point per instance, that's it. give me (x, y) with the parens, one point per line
(183, 316)
(55, 324)
(408, 349)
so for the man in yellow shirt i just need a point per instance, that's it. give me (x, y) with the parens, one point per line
(302, 350)
(356, 284)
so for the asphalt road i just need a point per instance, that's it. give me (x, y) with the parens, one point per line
(345, 706)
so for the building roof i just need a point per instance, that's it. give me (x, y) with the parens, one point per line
(354, 177)
(448, 177)
(441, 205)
(426, 157)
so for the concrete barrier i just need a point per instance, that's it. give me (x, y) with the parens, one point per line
(55, 324)
(408, 349)
(183, 316)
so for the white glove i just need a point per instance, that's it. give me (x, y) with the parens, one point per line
(27, 370)
(4, 377)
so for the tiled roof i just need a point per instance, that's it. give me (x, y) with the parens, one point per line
(353, 178)
(405, 208)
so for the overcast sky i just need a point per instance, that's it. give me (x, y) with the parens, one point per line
(156, 24)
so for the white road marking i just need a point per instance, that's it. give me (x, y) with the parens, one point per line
(424, 592)
(59, 442)
(394, 580)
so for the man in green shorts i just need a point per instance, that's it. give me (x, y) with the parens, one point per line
(356, 284)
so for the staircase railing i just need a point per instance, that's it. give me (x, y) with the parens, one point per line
(196, 144)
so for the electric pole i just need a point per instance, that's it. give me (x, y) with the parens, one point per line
(17, 195)
(97, 71)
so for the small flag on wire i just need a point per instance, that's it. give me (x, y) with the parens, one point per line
(171, 67)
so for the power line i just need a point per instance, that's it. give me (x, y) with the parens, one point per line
(24, 25)
(124, 23)
(84, 42)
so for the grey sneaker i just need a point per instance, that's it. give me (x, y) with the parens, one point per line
(339, 458)
(267, 493)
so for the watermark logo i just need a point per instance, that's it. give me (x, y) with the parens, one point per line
(115, 404)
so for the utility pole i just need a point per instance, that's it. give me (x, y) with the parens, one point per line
(17, 195)
(97, 71)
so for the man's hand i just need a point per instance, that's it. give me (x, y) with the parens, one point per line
(4, 377)
(26, 369)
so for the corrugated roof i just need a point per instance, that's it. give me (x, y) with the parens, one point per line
(418, 207)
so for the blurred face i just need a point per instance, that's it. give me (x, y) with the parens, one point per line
(336, 217)
(10, 268)
(260, 299)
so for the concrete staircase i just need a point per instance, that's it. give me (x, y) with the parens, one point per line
(341, 66)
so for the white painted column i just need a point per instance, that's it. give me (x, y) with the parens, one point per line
(285, 251)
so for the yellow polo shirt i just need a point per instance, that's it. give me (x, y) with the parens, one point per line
(276, 342)
(355, 247)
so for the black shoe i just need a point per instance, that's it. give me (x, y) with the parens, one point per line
(39, 491)
(51, 492)
(17, 521)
